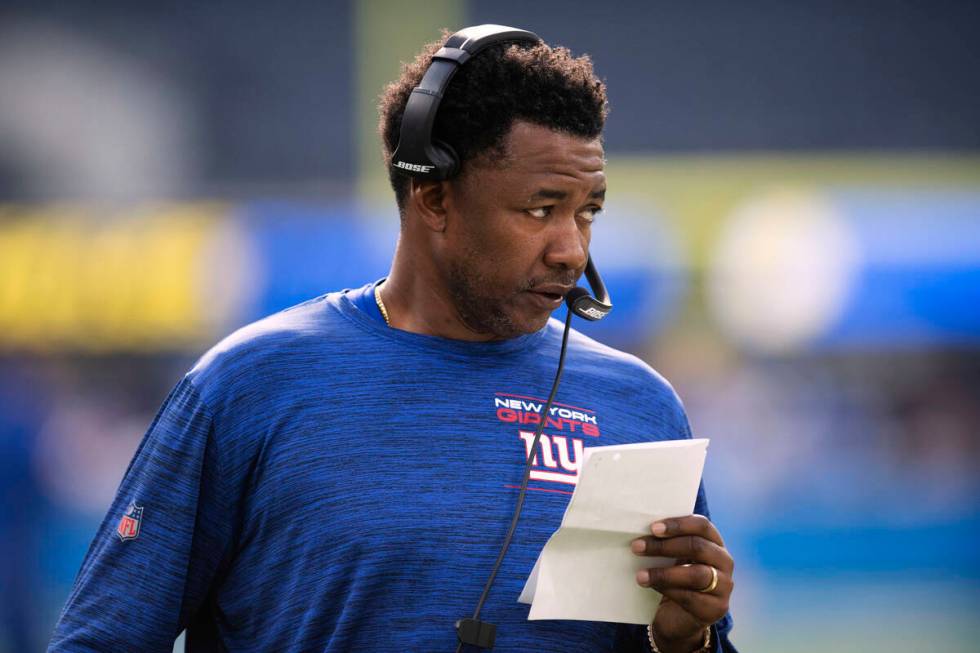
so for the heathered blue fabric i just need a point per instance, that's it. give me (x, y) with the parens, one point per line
(321, 482)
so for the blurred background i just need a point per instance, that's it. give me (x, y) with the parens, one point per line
(792, 237)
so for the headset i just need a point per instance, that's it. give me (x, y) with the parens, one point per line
(418, 156)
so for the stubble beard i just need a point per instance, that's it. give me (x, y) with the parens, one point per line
(478, 307)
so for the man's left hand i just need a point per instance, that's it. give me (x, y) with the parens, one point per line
(688, 606)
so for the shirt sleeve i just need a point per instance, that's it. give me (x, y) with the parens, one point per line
(162, 543)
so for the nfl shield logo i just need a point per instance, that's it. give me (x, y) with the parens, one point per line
(129, 525)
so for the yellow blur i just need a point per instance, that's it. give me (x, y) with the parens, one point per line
(77, 278)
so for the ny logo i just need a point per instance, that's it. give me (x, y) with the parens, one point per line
(565, 466)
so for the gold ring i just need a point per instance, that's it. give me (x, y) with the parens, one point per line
(714, 581)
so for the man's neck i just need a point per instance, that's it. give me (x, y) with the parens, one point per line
(418, 300)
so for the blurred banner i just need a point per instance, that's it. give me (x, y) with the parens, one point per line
(141, 278)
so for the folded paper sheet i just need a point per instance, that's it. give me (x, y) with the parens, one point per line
(586, 570)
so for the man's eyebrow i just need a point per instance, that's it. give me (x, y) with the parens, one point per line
(552, 194)
(549, 194)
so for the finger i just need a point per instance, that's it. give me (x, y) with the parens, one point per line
(696, 578)
(706, 608)
(690, 525)
(685, 547)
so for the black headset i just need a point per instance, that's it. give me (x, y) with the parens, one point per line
(418, 155)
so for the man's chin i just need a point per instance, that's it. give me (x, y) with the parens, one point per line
(510, 329)
(511, 321)
(529, 325)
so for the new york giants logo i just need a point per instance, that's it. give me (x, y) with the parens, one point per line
(129, 525)
(558, 456)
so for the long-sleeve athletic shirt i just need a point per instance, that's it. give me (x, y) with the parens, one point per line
(322, 482)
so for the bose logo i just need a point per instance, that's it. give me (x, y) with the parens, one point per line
(594, 313)
(413, 167)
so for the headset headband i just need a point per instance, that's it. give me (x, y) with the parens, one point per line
(416, 154)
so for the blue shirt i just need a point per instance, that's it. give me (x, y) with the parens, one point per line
(322, 482)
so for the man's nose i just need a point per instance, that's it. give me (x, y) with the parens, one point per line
(568, 246)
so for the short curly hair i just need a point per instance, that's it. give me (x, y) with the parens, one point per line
(507, 81)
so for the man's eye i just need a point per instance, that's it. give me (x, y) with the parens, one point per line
(590, 213)
(540, 212)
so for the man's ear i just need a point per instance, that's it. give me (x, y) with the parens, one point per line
(429, 199)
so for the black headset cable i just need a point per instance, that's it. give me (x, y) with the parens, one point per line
(527, 476)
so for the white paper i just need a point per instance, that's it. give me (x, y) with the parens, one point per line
(586, 570)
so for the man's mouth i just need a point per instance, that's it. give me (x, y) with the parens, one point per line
(553, 290)
(551, 294)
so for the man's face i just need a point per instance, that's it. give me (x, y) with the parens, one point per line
(518, 232)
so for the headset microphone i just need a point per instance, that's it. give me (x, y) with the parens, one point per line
(419, 156)
(585, 305)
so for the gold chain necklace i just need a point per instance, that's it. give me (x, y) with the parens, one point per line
(381, 304)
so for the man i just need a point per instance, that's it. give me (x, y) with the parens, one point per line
(339, 476)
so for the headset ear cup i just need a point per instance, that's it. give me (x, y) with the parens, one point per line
(446, 159)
